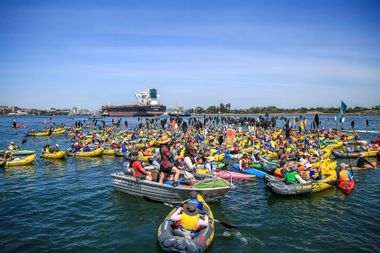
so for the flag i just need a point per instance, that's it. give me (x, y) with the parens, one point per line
(343, 107)
(303, 125)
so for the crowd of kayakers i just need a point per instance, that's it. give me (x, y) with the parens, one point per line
(181, 147)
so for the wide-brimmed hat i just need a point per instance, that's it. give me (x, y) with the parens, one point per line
(190, 209)
(165, 139)
(343, 165)
(255, 152)
(245, 154)
(177, 158)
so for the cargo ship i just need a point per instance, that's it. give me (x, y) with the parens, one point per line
(148, 106)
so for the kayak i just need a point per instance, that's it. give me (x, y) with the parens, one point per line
(366, 166)
(370, 153)
(96, 152)
(27, 160)
(19, 152)
(217, 165)
(38, 134)
(219, 157)
(109, 152)
(226, 174)
(171, 239)
(234, 156)
(280, 187)
(234, 175)
(19, 126)
(211, 183)
(250, 171)
(341, 154)
(59, 131)
(346, 186)
(145, 159)
(56, 155)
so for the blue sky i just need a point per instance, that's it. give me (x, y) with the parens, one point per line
(249, 53)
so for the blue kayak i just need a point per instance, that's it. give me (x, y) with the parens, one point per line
(251, 171)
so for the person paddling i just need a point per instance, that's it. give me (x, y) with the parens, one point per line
(188, 220)
(343, 173)
(244, 162)
(361, 162)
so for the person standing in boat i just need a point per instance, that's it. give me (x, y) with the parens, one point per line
(14, 124)
(166, 166)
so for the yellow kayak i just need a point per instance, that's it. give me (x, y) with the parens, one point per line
(145, 159)
(59, 131)
(96, 152)
(38, 134)
(108, 152)
(56, 155)
(27, 160)
(169, 242)
(371, 153)
(219, 157)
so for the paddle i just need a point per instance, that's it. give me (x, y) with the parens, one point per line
(167, 204)
(22, 142)
(220, 141)
(316, 120)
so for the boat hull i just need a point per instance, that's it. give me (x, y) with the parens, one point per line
(164, 192)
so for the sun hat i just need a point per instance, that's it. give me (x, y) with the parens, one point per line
(165, 139)
(343, 165)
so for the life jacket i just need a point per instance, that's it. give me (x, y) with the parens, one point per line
(278, 173)
(244, 163)
(291, 177)
(343, 175)
(189, 222)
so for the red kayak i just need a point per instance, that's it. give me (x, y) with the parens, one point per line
(346, 186)
(19, 126)
(236, 175)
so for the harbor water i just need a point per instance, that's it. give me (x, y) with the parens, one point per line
(71, 206)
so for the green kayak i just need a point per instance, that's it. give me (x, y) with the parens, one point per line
(216, 165)
(20, 152)
(212, 183)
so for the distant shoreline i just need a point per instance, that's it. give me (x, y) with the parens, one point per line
(284, 113)
(211, 114)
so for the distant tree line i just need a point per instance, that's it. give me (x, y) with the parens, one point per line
(226, 108)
